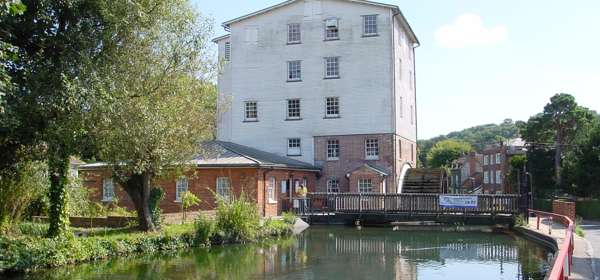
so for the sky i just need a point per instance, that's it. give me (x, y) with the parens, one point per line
(483, 61)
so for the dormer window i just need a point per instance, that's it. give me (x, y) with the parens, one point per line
(331, 29)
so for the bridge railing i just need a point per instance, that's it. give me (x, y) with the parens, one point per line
(401, 203)
(564, 260)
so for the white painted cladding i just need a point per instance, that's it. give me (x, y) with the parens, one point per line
(369, 89)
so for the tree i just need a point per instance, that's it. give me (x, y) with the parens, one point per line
(443, 153)
(188, 199)
(582, 165)
(158, 103)
(558, 124)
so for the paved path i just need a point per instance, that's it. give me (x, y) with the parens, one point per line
(583, 260)
(592, 235)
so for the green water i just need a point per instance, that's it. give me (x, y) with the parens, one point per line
(335, 253)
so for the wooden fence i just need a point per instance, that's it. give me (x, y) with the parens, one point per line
(376, 203)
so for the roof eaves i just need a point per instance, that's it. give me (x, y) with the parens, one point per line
(217, 39)
(262, 11)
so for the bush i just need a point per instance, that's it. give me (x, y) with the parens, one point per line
(156, 196)
(588, 209)
(289, 218)
(205, 230)
(276, 228)
(237, 219)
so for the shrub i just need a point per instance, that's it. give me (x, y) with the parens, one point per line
(156, 196)
(205, 230)
(289, 218)
(188, 200)
(237, 219)
(276, 228)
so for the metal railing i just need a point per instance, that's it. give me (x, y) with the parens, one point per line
(561, 269)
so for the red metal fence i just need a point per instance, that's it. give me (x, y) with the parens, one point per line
(564, 260)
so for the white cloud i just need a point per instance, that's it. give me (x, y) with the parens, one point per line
(468, 30)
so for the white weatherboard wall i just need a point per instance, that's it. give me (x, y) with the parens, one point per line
(258, 72)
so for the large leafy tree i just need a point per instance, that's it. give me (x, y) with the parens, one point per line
(444, 152)
(158, 103)
(582, 165)
(558, 125)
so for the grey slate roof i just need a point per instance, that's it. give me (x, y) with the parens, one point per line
(377, 168)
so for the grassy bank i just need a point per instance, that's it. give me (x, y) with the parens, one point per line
(26, 248)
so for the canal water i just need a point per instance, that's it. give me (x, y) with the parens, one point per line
(335, 253)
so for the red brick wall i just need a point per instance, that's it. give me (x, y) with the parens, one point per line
(566, 208)
(376, 180)
(275, 208)
(202, 182)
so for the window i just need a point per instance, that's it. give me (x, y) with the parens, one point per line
(372, 149)
(333, 149)
(365, 185)
(271, 190)
(333, 185)
(498, 177)
(486, 159)
(332, 67)
(180, 187)
(332, 107)
(369, 25)
(108, 189)
(294, 147)
(412, 114)
(331, 29)
(400, 148)
(498, 158)
(293, 33)
(223, 187)
(486, 177)
(293, 109)
(227, 51)
(251, 111)
(294, 70)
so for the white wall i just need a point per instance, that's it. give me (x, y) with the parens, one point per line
(258, 72)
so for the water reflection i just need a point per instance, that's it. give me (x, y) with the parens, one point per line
(335, 253)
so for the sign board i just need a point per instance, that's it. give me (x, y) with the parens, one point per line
(458, 201)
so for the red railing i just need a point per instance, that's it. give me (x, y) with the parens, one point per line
(564, 260)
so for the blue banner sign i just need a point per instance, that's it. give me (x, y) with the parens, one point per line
(458, 201)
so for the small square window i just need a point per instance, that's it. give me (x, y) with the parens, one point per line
(369, 25)
(333, 185)
(294, 148)
(365, 185)
(294, 70)
(372, 148)
(251, 111)
(333, 149)
(331, 29)
(332, 107)
(332, 67)
(293, 109)
(294, 33)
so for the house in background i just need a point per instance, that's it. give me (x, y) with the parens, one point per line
(327, 82)
(467, 173)
(496, 165)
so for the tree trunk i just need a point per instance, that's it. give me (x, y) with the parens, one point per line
(138, 189)
(58, 167)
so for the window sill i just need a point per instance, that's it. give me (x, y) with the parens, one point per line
(294, 155)
(331, 78)
(372, 158)
(107, 200)
(272, 201)
(370, 35)
(293, 119)
(177, 201)
(331, 39)
(333, 159)
(249, 121)
(294, 81)
(293, 43)
(332, 117)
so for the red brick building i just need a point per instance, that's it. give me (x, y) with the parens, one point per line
(496, 165)
(224, 169)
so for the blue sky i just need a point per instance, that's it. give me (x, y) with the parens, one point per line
(484, 61)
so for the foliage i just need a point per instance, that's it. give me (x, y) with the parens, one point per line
(205, 229)
(19, 187)
(237, 219)
(444, 152)
(289, 218)
(79, 203)
(273, 227)
(588, 209)
(477, 137)
(158, 100)
(156, 196)
(520, 221)
(578, 229)
(188, 199)
(582, 165)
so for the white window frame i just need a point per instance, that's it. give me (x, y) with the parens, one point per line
(250, 111)
(227, 51)
(294, 109)
(332, 67)
(332, 107)
(370, 26)
(333, 149)
(372, 149)
(498, 158)
(108, 190)
(223, 187)
(294, 147)
(294, 70)
(498, 177)
(486, 177)
(294, 33)
(365, 185)
(332, 24)
(333, 185)
(486, 159)
(271, 189)
(181, 186)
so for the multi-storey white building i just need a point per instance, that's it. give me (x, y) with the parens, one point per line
(328, 82)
